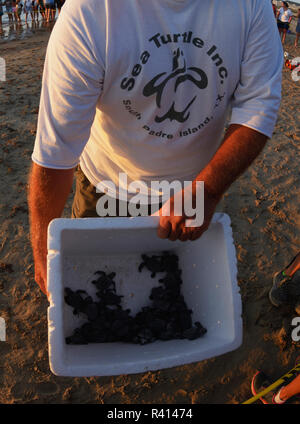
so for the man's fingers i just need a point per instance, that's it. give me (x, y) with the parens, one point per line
(42, 287)
(184, 236)
(195, 235)
(164, 228)
(197, 232)
(175, 232)
(41, 283)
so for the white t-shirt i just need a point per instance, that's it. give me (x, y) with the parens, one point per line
(144, 87)
(284, 15)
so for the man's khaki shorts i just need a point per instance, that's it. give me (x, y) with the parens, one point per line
(85, 199)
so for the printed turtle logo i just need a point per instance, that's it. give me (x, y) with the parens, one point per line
(180, 75)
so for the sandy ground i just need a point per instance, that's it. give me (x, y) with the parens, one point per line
(264, 206)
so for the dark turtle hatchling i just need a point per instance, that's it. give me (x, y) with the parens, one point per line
(152, 263)
(75, 299)
(105, 281)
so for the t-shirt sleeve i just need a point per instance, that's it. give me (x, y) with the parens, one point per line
(71, 87)
(256, 99)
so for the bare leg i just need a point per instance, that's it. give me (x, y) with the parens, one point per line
(291, 389)
(297, 39)
(284, 35)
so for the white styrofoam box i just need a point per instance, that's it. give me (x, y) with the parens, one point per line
(79, 247)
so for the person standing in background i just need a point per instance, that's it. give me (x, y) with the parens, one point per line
(9, 9)
(42, 9)
(28, 9)
(53, 10)
(19, 7)
(59, 4)
(284, 18)
(14, 10)
(274, 9)
(297, 29)
(35, 6)
(1, 14)
(49, 10)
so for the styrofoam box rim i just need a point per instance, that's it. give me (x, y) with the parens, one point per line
(55, 340)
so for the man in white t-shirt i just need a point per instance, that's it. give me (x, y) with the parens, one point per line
(143, 88)
(284, 18)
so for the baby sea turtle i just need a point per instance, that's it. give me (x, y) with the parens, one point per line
(75, 299)
(91, 311)
(105, 281)
(109, 298)
(193, 333)
(172, 280)
(166, 318)
(169, 262)
(152, 263)
(76, 338)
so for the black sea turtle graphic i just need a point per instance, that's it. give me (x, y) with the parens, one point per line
(179, 75)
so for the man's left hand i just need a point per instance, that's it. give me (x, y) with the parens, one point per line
(174, 227)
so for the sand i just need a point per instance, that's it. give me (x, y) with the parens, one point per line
(264, 206)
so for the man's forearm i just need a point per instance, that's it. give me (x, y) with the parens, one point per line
(241, 145)
(48, 192)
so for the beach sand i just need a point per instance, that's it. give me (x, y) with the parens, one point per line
(264, 206)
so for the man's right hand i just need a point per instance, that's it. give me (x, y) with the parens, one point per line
(40, 272)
